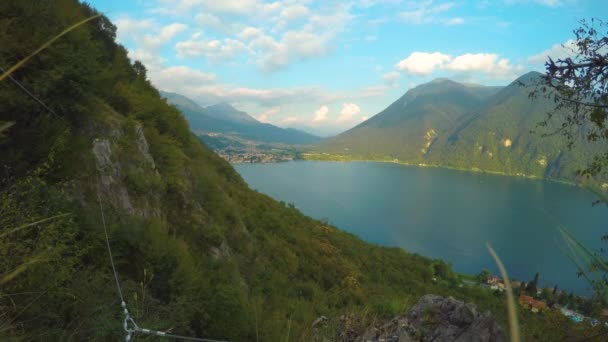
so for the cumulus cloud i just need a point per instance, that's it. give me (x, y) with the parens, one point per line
(265, 117)
(271, 35)
(314, 39)
(391, 79)
(423, 63)
(557, 51)
(166, 34)
(486, 62)
(294, 12)
(181, 77)
(213, 22)
(348, 112)
(127, 27)
(321, 114)
(214, 50)
(147, 34)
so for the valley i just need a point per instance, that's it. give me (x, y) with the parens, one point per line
(129, 211)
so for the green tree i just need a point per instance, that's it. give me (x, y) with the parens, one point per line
(533, 285)
(483, 276)
(578, 86)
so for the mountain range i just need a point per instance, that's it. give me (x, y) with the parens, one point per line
(225, 119)
(466, 126)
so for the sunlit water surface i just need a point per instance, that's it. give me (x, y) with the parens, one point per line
(444, 214)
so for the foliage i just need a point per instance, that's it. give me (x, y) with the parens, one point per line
(475, 128)
(578, 85)
(197, 251)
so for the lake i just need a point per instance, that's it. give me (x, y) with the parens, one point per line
(444, 214)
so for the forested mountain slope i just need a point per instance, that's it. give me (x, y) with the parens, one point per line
(445, 123)
(198, 253)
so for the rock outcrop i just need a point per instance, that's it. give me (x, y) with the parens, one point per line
(433, 318)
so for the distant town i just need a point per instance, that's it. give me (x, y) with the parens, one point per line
(237, 150)
(530, 297)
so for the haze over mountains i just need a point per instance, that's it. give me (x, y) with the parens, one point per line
(225, 119)
(446, 123)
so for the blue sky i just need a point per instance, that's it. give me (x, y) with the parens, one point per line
(325, 65)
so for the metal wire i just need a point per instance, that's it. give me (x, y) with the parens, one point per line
(129, 324)
(29, 93)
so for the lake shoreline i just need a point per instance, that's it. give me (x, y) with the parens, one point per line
(433, 235)
(342, 159)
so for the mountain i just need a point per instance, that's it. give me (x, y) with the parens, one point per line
(225, 111)
(223, 118)
(446, 123)
(196, 251)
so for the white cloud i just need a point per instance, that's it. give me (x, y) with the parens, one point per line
(423, 63)
(549, 3)
(391, 79)
(157, 39)
(294, 12)
(210, 21)
(151, 60)
(424, 12)
(214, 50)
(316, 38)
(348, 112)
(177, 78)
(274, 34)
(147, 34)
(364, 118)
(477, 62)
(264, 117)
(454, 21)
(557, 51)
(127, 28)
(249, 33)
(321, 114)
(289, 120)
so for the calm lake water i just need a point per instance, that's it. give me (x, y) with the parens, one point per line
(444, 214)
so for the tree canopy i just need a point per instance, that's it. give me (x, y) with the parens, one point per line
(578, 85)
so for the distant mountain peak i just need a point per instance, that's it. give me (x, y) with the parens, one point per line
(441, 79)
(226, 111)
(529, 78)
(223, 106)
(224, 118)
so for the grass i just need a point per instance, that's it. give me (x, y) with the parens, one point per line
(513, 322)
(45, 45)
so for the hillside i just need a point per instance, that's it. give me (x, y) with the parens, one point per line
(225, 119)
(197, 252)
(445, 123)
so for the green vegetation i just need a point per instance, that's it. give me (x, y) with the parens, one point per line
(448, 124)
(578, 86)
(198, 253)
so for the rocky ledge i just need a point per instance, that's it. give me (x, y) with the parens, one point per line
(433, 318)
